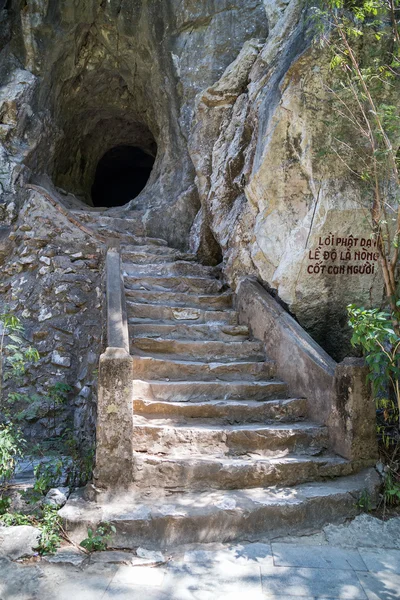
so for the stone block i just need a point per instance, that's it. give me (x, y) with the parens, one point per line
(59, 360)
(316, 557)
(379, 559)
(221, 578)
(19, 541)
(57, 497)
(352, 422)
(283, 582)
(384, 585)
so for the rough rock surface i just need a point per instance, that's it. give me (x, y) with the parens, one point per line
(278, 210)
(52, 279)
(19, 541)
(367, 531)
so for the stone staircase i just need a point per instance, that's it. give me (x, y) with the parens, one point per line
(221, 449)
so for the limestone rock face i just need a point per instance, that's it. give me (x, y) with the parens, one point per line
(278, 211)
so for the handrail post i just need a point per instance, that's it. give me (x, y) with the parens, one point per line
(114, 433)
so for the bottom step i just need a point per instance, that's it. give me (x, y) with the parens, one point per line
(163, 521)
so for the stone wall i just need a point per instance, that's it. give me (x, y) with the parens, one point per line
(52, 279)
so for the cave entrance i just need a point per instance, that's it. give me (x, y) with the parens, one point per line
(121, 175)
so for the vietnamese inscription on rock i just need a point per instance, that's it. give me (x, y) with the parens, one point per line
(347, 255)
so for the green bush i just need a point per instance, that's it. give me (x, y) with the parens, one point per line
(373, 331)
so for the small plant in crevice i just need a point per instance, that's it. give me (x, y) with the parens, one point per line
(391, 490)
(98, 540)
(364, 502)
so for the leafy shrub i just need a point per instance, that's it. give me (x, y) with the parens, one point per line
(50, 525)
(373, 331)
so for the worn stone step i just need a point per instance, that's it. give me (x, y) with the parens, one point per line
(178, 267)
(225, 411)
(150, 249)
(113, 224)
(161, 520)
(86, 209)
(146, 258)
(207, 350)
(150, 367)
(136, 243)
(166, 298)
(167, 437)
(213, 472)
(189, 331)
(182, 284)
(130, 239)
(186, 391)
(139, 312)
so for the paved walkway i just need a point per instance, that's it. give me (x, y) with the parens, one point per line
(357, 561)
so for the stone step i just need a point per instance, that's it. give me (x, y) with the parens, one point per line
(145, 258)
(182, 284)
(137, 242)
(95, 212)
(131, 240)
(186, 391)
(150, 249)
(150, 367)
(139, 313)
(113, 224)
(226, 411)
(207, 350)
(167, 437)
(173, 299)
(189, 331)
(202, 473)
(161, 520)
(178, 267)
(89, 210)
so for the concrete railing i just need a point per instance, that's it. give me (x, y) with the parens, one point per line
(114, 443)
(338, 394)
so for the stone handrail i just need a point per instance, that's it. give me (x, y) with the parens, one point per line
(117, 323)
(338, 394)
(114, 432)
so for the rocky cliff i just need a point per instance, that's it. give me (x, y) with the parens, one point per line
(228, 98)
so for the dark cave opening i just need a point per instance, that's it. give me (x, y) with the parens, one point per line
(121, 174)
